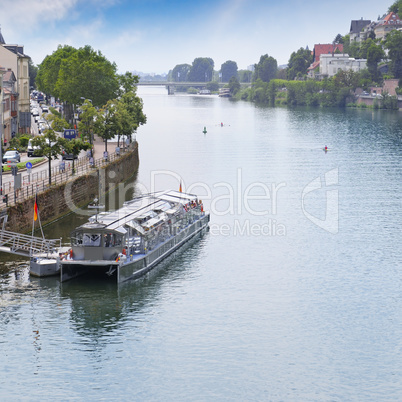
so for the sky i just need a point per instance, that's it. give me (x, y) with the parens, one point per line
(153, 36)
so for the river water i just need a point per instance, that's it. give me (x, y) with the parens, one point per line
(294, 294)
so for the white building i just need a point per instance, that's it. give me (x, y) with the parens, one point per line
(330, 64)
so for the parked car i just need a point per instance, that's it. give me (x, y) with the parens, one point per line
(45, 108)
(31, 149)
(65, 156)
(13, 156)
(35, 112)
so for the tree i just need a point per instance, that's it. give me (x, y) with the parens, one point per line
(33, 71)
(87, 121)
(228, 70)
(201, 70)
(57, 123)
(131, 114)
(73, 147)
(48, 71)
(245, 75)
(108, 123)
(299, 62)
(180, 72)
(375, 54)
(266, 69)
(50, 145)
(338, 39)
(396, 7)
(393, 42)
(87, 73)
(127, 82)
(234, 85)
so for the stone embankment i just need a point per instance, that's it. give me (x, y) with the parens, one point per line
(62, 198)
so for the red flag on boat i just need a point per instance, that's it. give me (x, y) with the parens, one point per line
(36, 208)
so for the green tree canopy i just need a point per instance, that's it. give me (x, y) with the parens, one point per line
(234, 85)
(299, 62)
(50, 145)
(48, 71)
(86, 73)
(266, 69)
(393, 42)
(201, 70)
(245, 75)
(180, 72)
(396, 7)
(375, 54)
(228, 70)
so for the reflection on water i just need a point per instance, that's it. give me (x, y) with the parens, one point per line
(307, 315)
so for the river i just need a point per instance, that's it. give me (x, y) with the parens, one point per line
(294, 294)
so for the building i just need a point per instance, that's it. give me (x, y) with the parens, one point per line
(10, 104)
(358, 32)
(387, 24)
(332, 64)
(321, 49)
(13, 59)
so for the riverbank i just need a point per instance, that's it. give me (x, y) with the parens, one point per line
(75, 192)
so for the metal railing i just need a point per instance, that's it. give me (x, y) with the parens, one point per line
(38, 182)
(21, 244)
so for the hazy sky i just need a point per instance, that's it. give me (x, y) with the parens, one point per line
(155, 35)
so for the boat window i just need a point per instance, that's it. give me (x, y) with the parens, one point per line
(92, 239)
(119, 240)
(76, 239)
(108, 240)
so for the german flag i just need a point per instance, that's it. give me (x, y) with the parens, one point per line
(36, 208)
(180, 189)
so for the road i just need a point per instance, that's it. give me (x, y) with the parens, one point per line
(40, 172)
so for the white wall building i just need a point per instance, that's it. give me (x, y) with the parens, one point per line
(331, 64)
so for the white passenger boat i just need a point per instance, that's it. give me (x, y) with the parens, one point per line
(129, 242)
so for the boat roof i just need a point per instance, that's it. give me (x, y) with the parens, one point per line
(140, 207)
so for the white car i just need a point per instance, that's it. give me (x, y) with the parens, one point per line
(45, 108)
(35, 112)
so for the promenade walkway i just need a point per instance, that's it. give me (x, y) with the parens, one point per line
(38, 181)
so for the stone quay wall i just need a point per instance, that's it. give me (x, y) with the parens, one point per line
(62, 199)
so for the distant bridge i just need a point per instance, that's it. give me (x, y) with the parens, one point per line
(171, 85)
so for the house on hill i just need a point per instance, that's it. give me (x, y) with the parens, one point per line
(326, 49)
(320, 49)
(387, 24)
(357, 31)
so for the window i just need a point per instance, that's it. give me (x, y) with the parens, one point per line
(92, 239)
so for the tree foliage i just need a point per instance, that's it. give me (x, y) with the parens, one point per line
(396, 7)
(87, 73)
(266, 69)
(180, 72)
(228, 70)
(298, 64)
(201, 70)
(50, 145)
(393, 42)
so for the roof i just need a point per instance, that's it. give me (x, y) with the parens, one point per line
(314, 65)
(139, 207)
(9, 76)
(391, 19)
(356, 26)
(326, 49)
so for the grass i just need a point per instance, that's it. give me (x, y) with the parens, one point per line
(21, 165)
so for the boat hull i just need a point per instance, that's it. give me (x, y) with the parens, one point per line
(135, 267)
